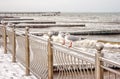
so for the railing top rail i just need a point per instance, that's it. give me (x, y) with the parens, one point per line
(73, 49)
(40, 38)
(74, 52)
(109, 61)
(111, 70)
(80, 55)
(111, 42)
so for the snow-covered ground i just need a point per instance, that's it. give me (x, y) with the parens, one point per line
(9, 70)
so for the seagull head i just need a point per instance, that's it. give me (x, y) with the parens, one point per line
(67, 34)
(61, 34)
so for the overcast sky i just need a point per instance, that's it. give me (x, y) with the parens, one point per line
(61, 5)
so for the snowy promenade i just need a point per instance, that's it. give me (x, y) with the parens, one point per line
(9, 70)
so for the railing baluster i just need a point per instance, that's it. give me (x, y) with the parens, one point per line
(14, 45)
(27, 52)
(5, 39)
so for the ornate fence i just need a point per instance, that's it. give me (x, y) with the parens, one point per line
(108, 64)
(48, 60)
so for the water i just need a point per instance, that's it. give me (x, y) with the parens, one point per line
(93, 21)
(84, 17)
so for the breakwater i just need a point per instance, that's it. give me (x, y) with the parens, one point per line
(29, 14)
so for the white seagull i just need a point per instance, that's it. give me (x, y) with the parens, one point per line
(59, 38)
(71, 38)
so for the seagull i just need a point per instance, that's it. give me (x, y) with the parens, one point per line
(45, 35)
(71, 38)
(59, 38)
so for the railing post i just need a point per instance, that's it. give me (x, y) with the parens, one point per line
(14, 45)
(98, 70)
(50, 59)
(27, 52)
(5, 39)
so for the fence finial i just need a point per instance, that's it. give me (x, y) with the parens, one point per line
(2, 22)
(27, 29)
(99, 46)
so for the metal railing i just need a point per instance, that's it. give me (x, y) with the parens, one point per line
(107, 67)
(48, 60)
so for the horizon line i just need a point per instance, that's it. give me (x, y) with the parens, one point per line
(65, 11)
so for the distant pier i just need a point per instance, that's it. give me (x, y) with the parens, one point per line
(29, 13)
(97, 32)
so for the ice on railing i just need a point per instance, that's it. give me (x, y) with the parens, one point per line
(45, 36)
(58, 39)
(112, 52)
(112, 56)
(19, 32)
(85, 43)
(108, 45)
(92, 44)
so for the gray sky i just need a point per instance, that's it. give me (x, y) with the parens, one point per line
(61, 5)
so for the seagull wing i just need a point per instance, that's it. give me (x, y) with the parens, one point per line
(73, 38)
